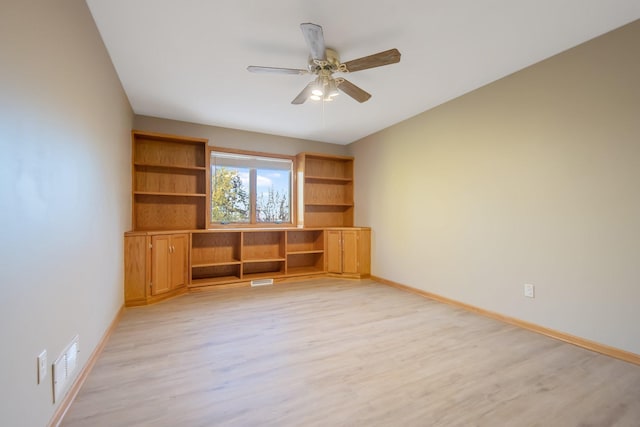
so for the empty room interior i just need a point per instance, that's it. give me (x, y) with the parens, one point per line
(295, 213)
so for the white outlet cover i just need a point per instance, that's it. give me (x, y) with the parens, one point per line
(42, 366)
(529, 291)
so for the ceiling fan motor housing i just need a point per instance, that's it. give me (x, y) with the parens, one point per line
(332, 63)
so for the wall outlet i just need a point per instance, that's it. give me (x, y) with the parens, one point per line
(529, 290)
(42, 366)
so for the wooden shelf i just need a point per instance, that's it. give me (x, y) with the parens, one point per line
(163, 193)
(305, 241)
(263, 268)
(328, 215)
(154, 212)
(309, 178)
(215, 257)
(305, 262)
(215, 273)
(216, 264)
(214, 280)
(163, 166)
(327, 166)
(168, 150)
(169, 180)
(255, 260)
(320, 251)
(303, 271)
(262, 275)
(328, 204)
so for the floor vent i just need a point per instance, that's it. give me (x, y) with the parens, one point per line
(262, 282)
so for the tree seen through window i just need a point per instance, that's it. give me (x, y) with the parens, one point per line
(237, 179)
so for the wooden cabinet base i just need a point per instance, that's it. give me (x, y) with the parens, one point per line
(163, 264)
(166, 265)
(348, 252)
(155, 299)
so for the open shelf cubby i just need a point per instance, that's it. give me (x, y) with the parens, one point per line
(215, 258)
(209, 249)
(320, 166)
(304, 241)
(305, 252)
(216, 274)
(263, 246)
(299, 264)
(328, 215)
(168, 150)
(253, 270)
(168, 212)
(159, 179)
(328, 192)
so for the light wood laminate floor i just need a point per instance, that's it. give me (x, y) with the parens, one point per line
(332, 352)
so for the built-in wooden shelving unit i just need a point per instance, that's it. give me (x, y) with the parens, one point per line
(170, 251)
(326, 195)
(227, 256)
(169, 182)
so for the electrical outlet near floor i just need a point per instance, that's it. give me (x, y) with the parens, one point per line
(529, 290)
(42, 366)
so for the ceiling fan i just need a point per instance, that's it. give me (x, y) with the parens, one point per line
(323, 62)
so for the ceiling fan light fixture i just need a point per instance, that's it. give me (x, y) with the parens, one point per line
(315, 97)
(318, 87)
(332, 88)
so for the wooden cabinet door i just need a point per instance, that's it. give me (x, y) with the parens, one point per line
(333, 252)
(178, 260)
(350, 255)
(160, 264)
(136, 276)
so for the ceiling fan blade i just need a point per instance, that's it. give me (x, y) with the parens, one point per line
(276, 70)
(390, 56)
(304, 95)
(353, 91)
(315, 40)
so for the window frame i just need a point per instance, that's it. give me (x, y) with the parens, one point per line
(252, 193)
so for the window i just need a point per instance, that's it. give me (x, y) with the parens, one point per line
(250, 189)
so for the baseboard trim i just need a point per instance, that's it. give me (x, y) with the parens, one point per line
(571, 339)
(82, 376)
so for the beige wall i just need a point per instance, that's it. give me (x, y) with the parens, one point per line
(237, 139)
(532, 179)
(64, 194)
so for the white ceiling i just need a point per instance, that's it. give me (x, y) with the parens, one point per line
(187, 59)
